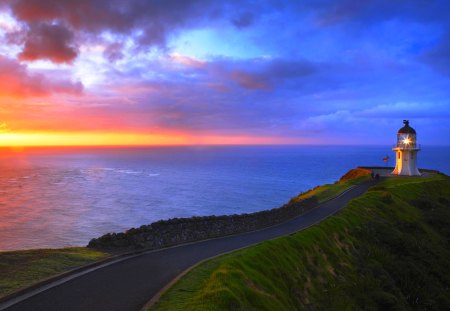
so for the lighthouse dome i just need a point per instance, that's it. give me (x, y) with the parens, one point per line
(406, 129)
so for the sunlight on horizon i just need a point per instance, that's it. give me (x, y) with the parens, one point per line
(42, 139)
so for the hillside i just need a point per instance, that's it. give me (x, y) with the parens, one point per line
(387, 250)
(20, 269)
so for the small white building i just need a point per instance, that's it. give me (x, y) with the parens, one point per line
(406, 152)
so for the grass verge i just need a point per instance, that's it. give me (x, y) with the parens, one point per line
(387, 250)
(19, 269)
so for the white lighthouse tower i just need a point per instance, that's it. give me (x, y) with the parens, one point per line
(406, 152)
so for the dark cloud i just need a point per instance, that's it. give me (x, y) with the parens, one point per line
(243, 20)
(50, 42)
(250, 81)
(367, 12)
(290, 68)
(17, 82)
(267, 74)
(259, 74)
(80, 14)
(438, 56)
(150, 23)
(54, 21)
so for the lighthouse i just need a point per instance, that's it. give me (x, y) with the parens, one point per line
(406, 152)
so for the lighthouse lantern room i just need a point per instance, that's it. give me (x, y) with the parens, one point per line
(406, 152)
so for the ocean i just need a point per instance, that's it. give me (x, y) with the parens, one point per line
(64, 197)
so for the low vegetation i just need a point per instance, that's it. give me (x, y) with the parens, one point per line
(19, 269)
(387, 250)
(325, 192)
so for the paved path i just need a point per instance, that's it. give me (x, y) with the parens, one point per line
(129, 284)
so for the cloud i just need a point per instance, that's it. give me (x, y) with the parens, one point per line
(438, 56)
(263, 95)
(153, 23)
(113, 52)
(250, 81)
(50, 42)
(50, 24)
(325, 122)
(283, 95)
(243, 20)
(187, 61)
(17, 82)
(146, 24)
(4, 128)
(225, 74)
(330, 13)
(407, 110)
(293, 68)
(261, 73)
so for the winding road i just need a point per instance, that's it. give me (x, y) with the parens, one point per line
(127, 284)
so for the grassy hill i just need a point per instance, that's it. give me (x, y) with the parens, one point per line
(387, 250)
(19, 269)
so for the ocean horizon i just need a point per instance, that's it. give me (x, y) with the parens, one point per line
(58, 197)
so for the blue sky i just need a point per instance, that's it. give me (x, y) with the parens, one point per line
(321, 72)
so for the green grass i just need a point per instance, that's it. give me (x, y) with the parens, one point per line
(387, 250)
(19, 269)
(328, 191)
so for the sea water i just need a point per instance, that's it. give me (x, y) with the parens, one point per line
(65, 197)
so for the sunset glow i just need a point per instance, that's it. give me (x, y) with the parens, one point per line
(192, 72)
(129, 139)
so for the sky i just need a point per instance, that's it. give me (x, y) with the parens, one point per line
(142, 72)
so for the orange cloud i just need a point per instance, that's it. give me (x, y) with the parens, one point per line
(17, 82)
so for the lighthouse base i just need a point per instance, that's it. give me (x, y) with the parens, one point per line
(405, 164)
(406, 172)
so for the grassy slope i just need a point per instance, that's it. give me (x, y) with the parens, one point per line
(389, 250)
(23, 268)
(327, 191)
